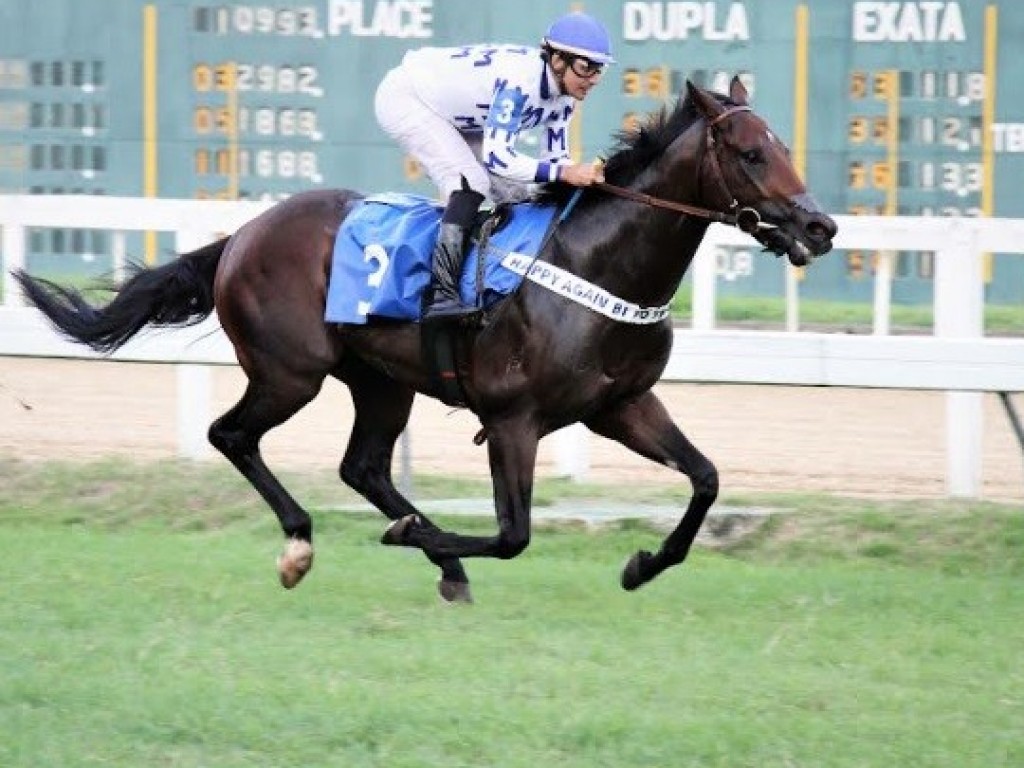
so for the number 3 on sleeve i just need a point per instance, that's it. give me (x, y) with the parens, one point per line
(507, 110)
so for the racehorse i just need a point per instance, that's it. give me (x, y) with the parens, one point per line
(539, 362)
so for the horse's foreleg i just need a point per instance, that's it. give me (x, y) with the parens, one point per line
(512, 450)
(644, 426)
(382, 408)
(237, 435)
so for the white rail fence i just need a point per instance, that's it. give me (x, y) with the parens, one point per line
(957, 358)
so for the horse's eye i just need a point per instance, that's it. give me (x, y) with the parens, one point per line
(752, 156)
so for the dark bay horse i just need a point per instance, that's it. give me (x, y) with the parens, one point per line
(540, 362)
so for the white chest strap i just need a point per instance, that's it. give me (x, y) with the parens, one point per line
(582, 291)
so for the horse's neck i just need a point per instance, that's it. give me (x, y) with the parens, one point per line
(638, 251)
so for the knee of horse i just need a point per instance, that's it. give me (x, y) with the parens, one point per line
(360, 476)
(350, 475)
(228, 442)
(511, 544)
(705, 482)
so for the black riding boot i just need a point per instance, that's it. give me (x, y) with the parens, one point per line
(444, 302)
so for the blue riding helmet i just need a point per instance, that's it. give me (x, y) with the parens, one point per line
(580, 34)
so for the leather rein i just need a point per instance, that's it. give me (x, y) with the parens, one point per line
(745, 219)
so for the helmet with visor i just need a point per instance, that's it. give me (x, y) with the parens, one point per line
(582, 40)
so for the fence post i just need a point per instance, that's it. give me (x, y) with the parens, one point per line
(959, 313)
(194, 381)
(13, 252)
(705, 268)
(572, 452)
(881, 322)
(119, 256)
(793, 277)
(193, 409)
(405, 457)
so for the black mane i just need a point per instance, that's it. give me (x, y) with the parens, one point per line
(635, 150)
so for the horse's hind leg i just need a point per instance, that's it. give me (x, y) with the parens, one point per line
(512, 450)
(237, 435)
(382, 408)
(644, 426)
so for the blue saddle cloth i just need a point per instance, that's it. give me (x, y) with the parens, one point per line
(381, 261)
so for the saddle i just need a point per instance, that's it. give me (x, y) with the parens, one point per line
(381, 264)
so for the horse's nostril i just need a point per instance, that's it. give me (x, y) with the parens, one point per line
(821, 228)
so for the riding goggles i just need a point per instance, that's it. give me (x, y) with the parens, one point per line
(584, 67)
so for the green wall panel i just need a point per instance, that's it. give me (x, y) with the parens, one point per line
(299, 112)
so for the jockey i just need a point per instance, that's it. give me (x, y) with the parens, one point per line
(460, 112)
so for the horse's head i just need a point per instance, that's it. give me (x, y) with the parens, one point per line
(752, 169)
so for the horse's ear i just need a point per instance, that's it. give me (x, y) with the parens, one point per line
(738, 91)
(708, 105)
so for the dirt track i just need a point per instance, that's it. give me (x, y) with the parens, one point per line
(887, 443)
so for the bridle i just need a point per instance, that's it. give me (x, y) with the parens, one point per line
(745, 219)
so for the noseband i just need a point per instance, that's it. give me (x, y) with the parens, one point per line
(746, 219)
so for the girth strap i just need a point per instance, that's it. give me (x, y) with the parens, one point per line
(438, 342)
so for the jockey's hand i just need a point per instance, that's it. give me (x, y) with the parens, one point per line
(582, 174)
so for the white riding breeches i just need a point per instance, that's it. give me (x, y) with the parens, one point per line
(445, 153)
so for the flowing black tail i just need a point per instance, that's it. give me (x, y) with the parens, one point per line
(176, 294)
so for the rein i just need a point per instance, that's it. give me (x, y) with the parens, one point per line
(745, 219)
(659, 202)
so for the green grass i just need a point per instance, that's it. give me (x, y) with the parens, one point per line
(771, 311)
(142, 625)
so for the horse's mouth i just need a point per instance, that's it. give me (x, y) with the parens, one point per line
(781, 242)
(800, 254)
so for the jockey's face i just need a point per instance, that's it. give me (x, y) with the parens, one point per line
(576, 75)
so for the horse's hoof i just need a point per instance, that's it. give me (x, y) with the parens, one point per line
(294, 562)
(397, 534)
(454, 591)
(634, 574)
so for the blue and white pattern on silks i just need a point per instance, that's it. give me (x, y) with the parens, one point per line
(381, 261)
